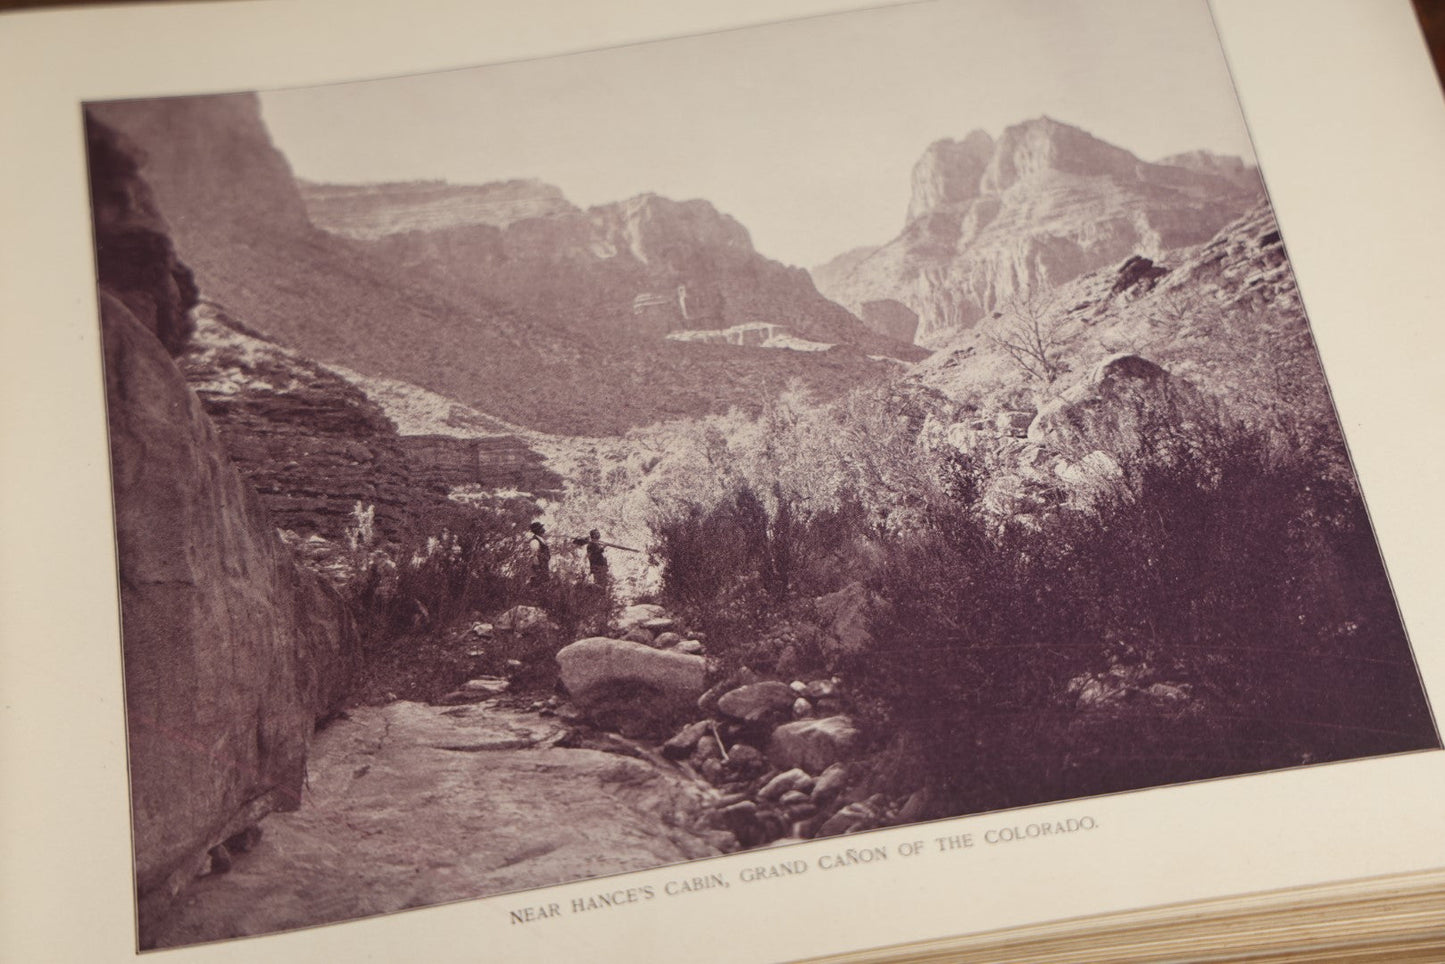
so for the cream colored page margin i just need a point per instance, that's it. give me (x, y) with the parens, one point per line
(1349, 132)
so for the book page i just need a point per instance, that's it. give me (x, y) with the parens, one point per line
(1344, 125)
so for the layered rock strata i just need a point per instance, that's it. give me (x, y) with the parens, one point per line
(995, 222)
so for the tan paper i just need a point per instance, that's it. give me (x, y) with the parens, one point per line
(1346, 122)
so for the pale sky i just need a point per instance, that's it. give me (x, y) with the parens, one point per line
(806, 132)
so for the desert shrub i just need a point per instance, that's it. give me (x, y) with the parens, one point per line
(472, 562)
(736, 567)
(1235, 597)
(413, 604)
(720, 565)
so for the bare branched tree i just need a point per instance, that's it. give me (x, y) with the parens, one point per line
(1033, 336)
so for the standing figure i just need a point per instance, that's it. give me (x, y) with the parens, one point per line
(541, 554)
(596, 557)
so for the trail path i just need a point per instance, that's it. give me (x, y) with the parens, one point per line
(410, 805)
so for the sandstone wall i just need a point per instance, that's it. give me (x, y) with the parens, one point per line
(230, 651)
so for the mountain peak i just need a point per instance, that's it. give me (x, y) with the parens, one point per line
(995, 219)
(654, 228)
(1043, 144)
(948, 173)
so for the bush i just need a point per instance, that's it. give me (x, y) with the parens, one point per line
(1243, 586)
(734, 568)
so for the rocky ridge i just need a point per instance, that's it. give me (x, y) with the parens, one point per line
(1139, 347)
(319, 451)
(642, 267)
(993, 221)
(369, 211)
(540, 319)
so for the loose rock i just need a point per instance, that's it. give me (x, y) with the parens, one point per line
(524, 619)
(758, 701)
(814, 745)
(788, 781)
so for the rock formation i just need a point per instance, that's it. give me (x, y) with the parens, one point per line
(537, 321)
(369, 211)
(989, 222)
(1221, 165)
(1149, 354)
(231, 652)
(318, 450)
(1126, 408)
(135, 259)
(949, 173)
(643, 267)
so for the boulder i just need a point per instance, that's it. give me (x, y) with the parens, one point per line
(915, 808)
(637, 615)
(789, 781)
(524, 619)
(820, 689)
(615, 681)
(1127, 407)
(814, 744)
(845, 615)
(708, 702)
(757, 702)
(745, 759)
(667, 640)
(831, 782)
(682, 744)
(689, 646)
(850, 819)
(639, 635)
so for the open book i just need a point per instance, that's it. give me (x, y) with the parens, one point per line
(757, 483)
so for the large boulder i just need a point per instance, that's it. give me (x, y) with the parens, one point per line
(1127, 407)
(845, 616)
(757, 702)
(814, 744)
(629, 686)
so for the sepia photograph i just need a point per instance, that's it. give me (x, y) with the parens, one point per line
(562, 468)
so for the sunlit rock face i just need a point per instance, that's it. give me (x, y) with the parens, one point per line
(990, 222)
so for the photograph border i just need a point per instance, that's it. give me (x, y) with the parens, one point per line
(983, 894)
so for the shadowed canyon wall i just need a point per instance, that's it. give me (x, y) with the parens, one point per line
(231, 652)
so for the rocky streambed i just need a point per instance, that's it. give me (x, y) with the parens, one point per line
(648, 760)
(409, 805)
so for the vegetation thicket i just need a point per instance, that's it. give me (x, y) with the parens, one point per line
(1216, 605)
(415, 605)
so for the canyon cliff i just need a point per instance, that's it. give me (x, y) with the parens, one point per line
(991, 222)
(231, 651)
(553, 322)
